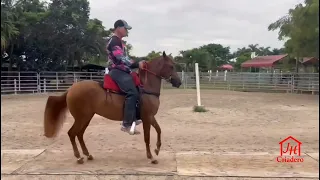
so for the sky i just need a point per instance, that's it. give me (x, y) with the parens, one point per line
(174, 25)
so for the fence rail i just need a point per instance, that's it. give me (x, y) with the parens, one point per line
(33, 82)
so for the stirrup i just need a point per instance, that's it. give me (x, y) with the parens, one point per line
(137, 122)
(127, 130)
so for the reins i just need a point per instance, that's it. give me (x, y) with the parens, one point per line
(145, 68)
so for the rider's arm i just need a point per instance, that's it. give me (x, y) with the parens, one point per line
(115, 47)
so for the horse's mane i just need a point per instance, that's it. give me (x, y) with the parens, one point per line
(159, 57)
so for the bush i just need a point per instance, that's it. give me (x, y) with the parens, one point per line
(199, 109)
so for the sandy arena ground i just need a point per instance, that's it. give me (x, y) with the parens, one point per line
(238, 137)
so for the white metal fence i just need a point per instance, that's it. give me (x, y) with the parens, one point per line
(33, 82)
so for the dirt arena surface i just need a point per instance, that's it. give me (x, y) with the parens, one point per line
(238, 137)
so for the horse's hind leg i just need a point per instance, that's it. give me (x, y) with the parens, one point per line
(81, 141)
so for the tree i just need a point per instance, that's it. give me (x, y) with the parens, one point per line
(8, 28)
(50, 36)
(208, 56)
(276, 51)
(152, 55)
(254, 47)
(300, 29)
(196, 55)
(241, 59)
(219, 55)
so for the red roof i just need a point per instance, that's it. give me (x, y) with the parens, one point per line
(226, 66)
(263, 61)
(310, 60)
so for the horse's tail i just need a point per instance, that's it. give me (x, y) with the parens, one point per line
(54, 114)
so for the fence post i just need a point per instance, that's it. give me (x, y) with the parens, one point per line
(15, 86)
(38, 83)
(210, 73)
(225, 75)
(182, 76)
(228, 82)
(242, 81)
(259, 80)
(74, 77)
(19, 82)
(274, 78)
(183, 79)
(292, 83)
(186, 82)
(57, 81)
(44, 86)
(312, 88)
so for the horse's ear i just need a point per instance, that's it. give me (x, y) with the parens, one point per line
(164, 54)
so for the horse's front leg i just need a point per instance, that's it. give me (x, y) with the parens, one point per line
(146, 131)
(156, 126)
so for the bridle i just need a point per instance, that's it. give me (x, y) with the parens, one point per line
(145, 68)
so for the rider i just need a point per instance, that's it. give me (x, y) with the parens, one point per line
(120, 69)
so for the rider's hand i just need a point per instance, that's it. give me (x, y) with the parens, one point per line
(141, 64)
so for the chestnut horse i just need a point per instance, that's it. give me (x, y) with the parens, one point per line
(86, 98)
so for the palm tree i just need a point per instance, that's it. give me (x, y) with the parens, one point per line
(8, 28)
(253, 47)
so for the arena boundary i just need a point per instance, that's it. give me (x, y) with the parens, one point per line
(39, 162)
(15, 82)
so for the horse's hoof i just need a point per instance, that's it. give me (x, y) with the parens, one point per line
(157, 151)
(154, 161)
(90, 157)
(80, 160)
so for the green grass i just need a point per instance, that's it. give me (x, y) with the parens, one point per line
(199, 109)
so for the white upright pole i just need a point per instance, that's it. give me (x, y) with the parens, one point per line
(182, 76)
(225, 75)
(197, 84)
(15, 86)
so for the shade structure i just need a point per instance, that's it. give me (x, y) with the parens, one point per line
(310, 60)
(226, 67)
(263, 61)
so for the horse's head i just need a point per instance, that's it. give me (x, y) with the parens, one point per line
(166, 69)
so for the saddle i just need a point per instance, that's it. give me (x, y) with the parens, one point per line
(111, 86)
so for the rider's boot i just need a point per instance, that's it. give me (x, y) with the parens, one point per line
(130, 113)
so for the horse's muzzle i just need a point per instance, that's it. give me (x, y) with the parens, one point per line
(175, 83)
